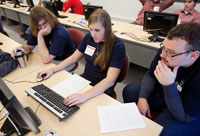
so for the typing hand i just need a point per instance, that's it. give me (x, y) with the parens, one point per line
(143, 107)
(75, 99)
(165, 75)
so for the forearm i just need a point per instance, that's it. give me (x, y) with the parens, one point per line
(75, 57)
(44, 52)
(174, 103)
(147, 86)
(66, 6)
(99, 88)
(27, 48)
(104, 84)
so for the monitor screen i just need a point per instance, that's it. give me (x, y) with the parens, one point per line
(19, 120)
(51, 6)
(89, 9)
(15, 2)
(159, 21)
(30, 4)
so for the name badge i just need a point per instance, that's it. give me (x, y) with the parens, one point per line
(179, 88)
(156, 8)
(89, 50)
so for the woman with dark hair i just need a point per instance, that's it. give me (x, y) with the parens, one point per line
(53, 40)
(104, 54)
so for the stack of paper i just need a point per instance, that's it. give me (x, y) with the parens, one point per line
(114, 118)
(70, 85)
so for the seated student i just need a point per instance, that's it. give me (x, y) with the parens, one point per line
(152, 5)
(104, 54)
(75, 5)
(53, 40)
(188, 14)
(172, 83)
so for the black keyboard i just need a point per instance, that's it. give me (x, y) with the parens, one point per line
(52, 101)
(62, 16)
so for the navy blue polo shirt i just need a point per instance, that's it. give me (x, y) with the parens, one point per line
(94, 73)
(58, 42)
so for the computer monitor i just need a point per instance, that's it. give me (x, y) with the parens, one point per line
(15, 2)
(30, 4)
(19, 120)
(52, 7)
(159, 22)
(89, 9)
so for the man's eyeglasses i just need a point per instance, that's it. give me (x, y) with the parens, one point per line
(170, 54)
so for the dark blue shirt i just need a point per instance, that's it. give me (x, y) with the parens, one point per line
(94, 73)
(58, 42)
(182, 97)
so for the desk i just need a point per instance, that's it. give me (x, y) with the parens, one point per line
(84, 122)
(140, 53)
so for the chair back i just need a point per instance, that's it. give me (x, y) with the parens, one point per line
(122, 74)
(124, 69)
(77, 36)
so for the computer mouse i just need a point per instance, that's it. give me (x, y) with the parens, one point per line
(51, 133)
(42, 77)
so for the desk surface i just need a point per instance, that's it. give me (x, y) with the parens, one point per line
(84, 122)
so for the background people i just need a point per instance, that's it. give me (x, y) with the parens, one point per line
(75, 5)
(104, 54)
(188, 14)
(172, 83)
(152, 5)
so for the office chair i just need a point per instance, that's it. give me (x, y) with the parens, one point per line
(77, 37)
(122, 74)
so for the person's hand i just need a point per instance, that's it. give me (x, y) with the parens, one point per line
(75, 99)
(48, 73)
(165, 75)
(45, 31)
(13, 52)
(143, 107)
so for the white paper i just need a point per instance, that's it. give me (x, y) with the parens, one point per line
(72, 84)
(120, 117)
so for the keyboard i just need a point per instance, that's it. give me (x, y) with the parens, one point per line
(62, 16)
(52, 101)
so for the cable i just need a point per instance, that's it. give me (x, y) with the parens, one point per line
(37, 109)
(20, 81)
(5, 114)
(2, 109)
(134, 37)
